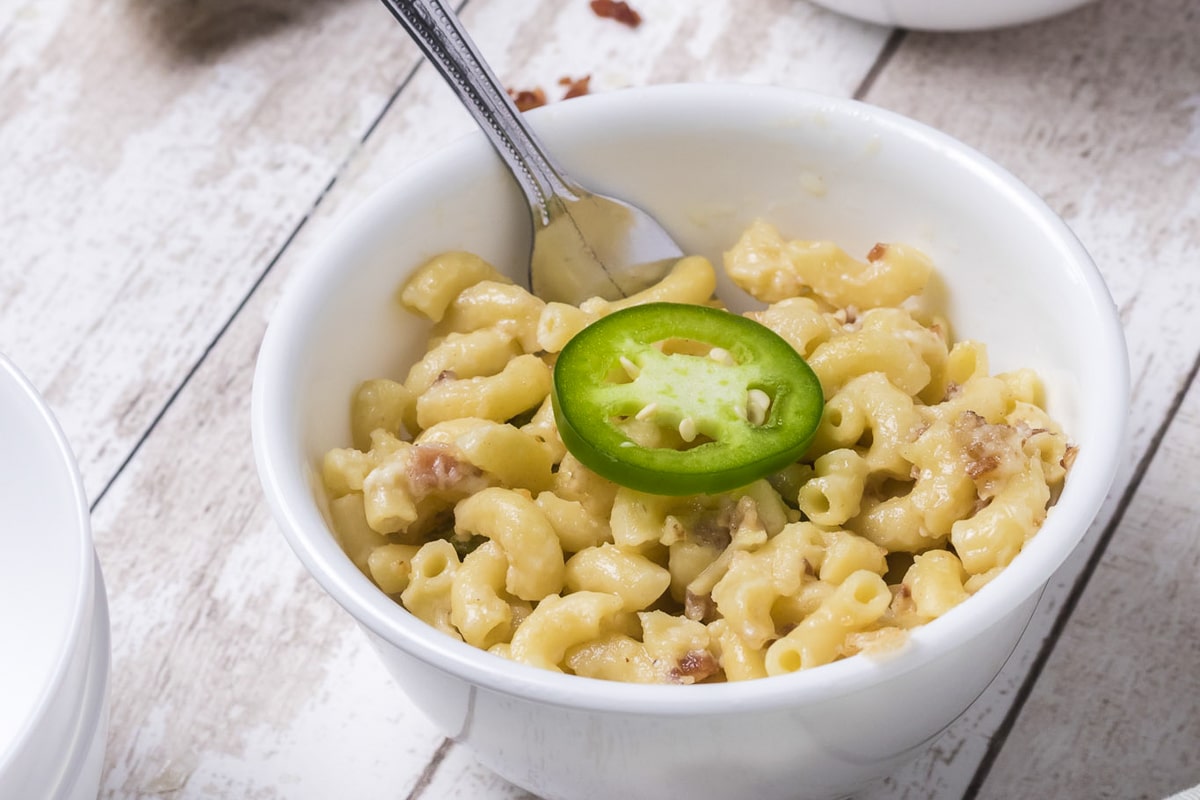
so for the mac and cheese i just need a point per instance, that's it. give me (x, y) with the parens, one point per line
(926, 477)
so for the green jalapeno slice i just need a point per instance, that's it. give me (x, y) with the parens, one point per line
(676, 399)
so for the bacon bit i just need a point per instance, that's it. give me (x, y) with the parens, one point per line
(981, 463)
(696, 665)
(877, 252)
(617, 10)
(446, 375)
(436, 467)
(575, 88)
(715, 529)
(525, 99)
(983, 444)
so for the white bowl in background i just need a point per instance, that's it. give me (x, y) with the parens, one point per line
(54, 631)
(705, 159)
(951, 15)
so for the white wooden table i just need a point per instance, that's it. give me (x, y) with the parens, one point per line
(166, 165)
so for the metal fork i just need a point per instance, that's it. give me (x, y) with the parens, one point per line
(584, 244)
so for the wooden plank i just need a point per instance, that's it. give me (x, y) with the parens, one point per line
(1097, 111)
(157, 156)
(233, 675)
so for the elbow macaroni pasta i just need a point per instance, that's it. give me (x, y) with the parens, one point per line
(926, 477)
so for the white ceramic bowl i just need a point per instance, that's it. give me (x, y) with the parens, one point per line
(951, 15)
(706, 160)
(54, 633)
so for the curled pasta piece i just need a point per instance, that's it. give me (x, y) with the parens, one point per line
(344, 470)
(967, 359)
(800, 321)
(869, 350)
(872, 416)
(739, 660)
(574, 481)
(692, 280)
(790, 610)
(435, 284)
(934, 583)
(1043, 439)
(772, 269)
(543, 428)
(834, 493)
(414, 483)
(494, 304)
(673, 651)
(381, 404)
(523, 384)
(577, 529)
(943, 492)
(558, 623)
(994, 536)
(427, 595)
(637, 580)
(846, 554)
(613, 657)
(482, 616)
(756, 579)
(679, 646)
(388, 498)
(855, 605)
(463, 355)
(893, 523)
(985, 395)
(355, 536)
(927, 343)
(535, 558)
(957, 465)
(638, 519)
(390, 566)
(509, 456)
(558, 323)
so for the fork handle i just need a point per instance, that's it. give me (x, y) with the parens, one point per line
(440, 36)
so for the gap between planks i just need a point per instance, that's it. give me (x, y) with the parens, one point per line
(889, 49)
(430, 770)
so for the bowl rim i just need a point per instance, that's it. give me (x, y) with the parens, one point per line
(1080, 502)
(47, 707)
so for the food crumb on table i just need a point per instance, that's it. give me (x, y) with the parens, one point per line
(617, 10)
